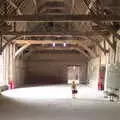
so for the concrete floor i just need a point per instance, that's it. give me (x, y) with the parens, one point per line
(34, 104)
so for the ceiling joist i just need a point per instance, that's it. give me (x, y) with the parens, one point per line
(36, 6)
(109, 28)
(48, 34)
(58, 18)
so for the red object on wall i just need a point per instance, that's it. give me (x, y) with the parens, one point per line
(11, 84)
(101, 78)
(100, 86)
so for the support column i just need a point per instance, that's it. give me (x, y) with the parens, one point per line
(11, 66)
(1, 67)
(13, 63)
(110, 65)
(6, 68)
(106, 72)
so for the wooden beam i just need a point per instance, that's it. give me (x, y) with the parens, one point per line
(92, 53)
(14, 6)
(82, 52)
(27, 41)
(52, 11)
(45, 7)
(111, 29)
(55, 34)
(109, 42)
(99, 45)
(89, 6)
(72, 42)
(8, 41)
(77, 48)
(73, 6)
(21, 49)
(35, 4)
(52, 4)
(1, 40)
(59, 18)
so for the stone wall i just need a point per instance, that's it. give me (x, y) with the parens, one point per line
(93, 72)
(19, 72)
(112, 77)
(2, 82)
(51, 68)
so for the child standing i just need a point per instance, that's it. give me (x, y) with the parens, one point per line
(74, 89)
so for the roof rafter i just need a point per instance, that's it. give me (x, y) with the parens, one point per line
(67, 34)
(21, 49)
(96, 41)
(14, 6)
(111, 29)
(90, 6)
(59, 18)
(8, 42)
(35, 4)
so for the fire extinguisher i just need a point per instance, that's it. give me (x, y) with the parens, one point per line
(99, 85)
(11, 84)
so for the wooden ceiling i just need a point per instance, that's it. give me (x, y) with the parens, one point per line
(89, 22)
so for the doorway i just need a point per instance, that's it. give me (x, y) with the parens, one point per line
(73, 74)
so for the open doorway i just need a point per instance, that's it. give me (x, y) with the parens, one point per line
(73, 73)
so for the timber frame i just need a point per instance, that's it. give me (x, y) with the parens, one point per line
(45, 13)
(58, 18)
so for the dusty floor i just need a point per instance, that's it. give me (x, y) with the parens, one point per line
(34, 104)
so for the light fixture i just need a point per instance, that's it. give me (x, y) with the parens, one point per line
(64, 44)
(74, 67)
(53, 44)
